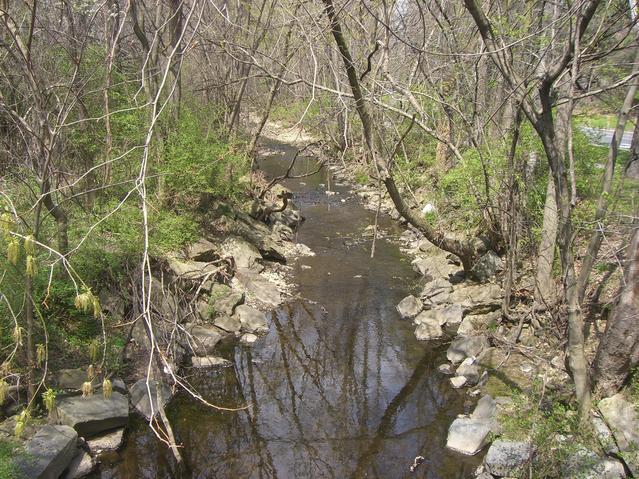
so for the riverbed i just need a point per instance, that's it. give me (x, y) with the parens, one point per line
(338, 388)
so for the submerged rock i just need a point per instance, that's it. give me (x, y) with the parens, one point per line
(94, 414)
(48, 453)
(470, 370)
(409, 307)
(111, 441)
(81, 465)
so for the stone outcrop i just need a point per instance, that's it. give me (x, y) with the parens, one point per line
(251, 320)
(94, 414)
(48, 453)
(466, 347)
(508, 458)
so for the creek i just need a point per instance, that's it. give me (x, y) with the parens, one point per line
(338, 388)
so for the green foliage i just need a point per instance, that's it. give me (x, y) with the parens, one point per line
(8, 449)
(196, 161)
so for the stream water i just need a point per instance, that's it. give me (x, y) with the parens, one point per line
(338, 388)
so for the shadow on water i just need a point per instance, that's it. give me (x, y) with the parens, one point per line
(338, 388)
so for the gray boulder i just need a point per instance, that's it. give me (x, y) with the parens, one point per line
(111, 441)
(436, 291)
(210, 362)
(476, 298)
(458, 382)
(585, 464)
(230, 324)
(204, 338)
(203, 250)
(139, 395)
(466, 347)
(259, 287)
(94, 414)
(69, 379)
(48, 453)
(244, 254)
(428, 328)
(251, 320)
(508, 458)
(409, 307)
(81, 465)
(470, 370)
(468, 436)
(190, 270)
(621, 417)
(486, 408)
(248, 339)
(487, 266)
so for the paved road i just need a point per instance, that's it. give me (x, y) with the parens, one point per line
(604, 137)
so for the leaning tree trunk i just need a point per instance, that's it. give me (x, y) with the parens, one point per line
(467, 251)
(618, 350)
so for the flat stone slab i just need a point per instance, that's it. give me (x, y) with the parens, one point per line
(81, 465)
(409, 307)
(210, 362)
(203, 339)
(259, 287)
(48, 453)
(468, 436)
(94, 414)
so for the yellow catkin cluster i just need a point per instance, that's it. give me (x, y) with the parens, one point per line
(87, 389)
(41, 353)
(31, 266)
(107, 388)
(13, 251)
(4, 390)
(48, 398)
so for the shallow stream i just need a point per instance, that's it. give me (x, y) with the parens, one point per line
(339, 388)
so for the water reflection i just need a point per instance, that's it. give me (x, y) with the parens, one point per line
(338, 388)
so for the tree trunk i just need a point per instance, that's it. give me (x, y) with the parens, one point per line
(631, 169)
(606, 190)
(545, 291)
(618, 350)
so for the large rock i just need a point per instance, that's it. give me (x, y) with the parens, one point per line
(190, 270)
(223, 299)
(468, 436)
(434, 266)
(210, 362)
(243, 253)
(487, 266)
(476, 298)
(508, 458)
(251, 320)
(466, 347)
(203, 250)
(486, 408)
(409, 307)
(259, 287)
(69, 379)
(111, 441)
(428, 327)
(436, 291)
(204, 338)
(470, 370)
(256, 233)
(585, 464)
(621, 417)
(94, 414)
(139, 395)
(476, 323)
(81, 465)
(230, 324)
(48, 453)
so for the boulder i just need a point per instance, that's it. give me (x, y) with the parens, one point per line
(256, 233)
(438, 288)
(210, 362)
(586, 464)
(486, 408)
(259, 287)
(111, 441)
(248, 339)
(428, 330)
(476, 298)
(468, 436)
(139, 395)
(458, 382)
(69, 379)
(470, 370)
(508, 458)
(223, 299)
(487, 266)
(81, 465)
(446, 369)
(435, 266)
(474, 323)
(409, 307)
(203, 250)
(204, 338)
(190, 270)
(251, 320)
(289, 217)
(621, 416)
(48, 453)
(94, 414)
(466, 347)
(244, 254)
